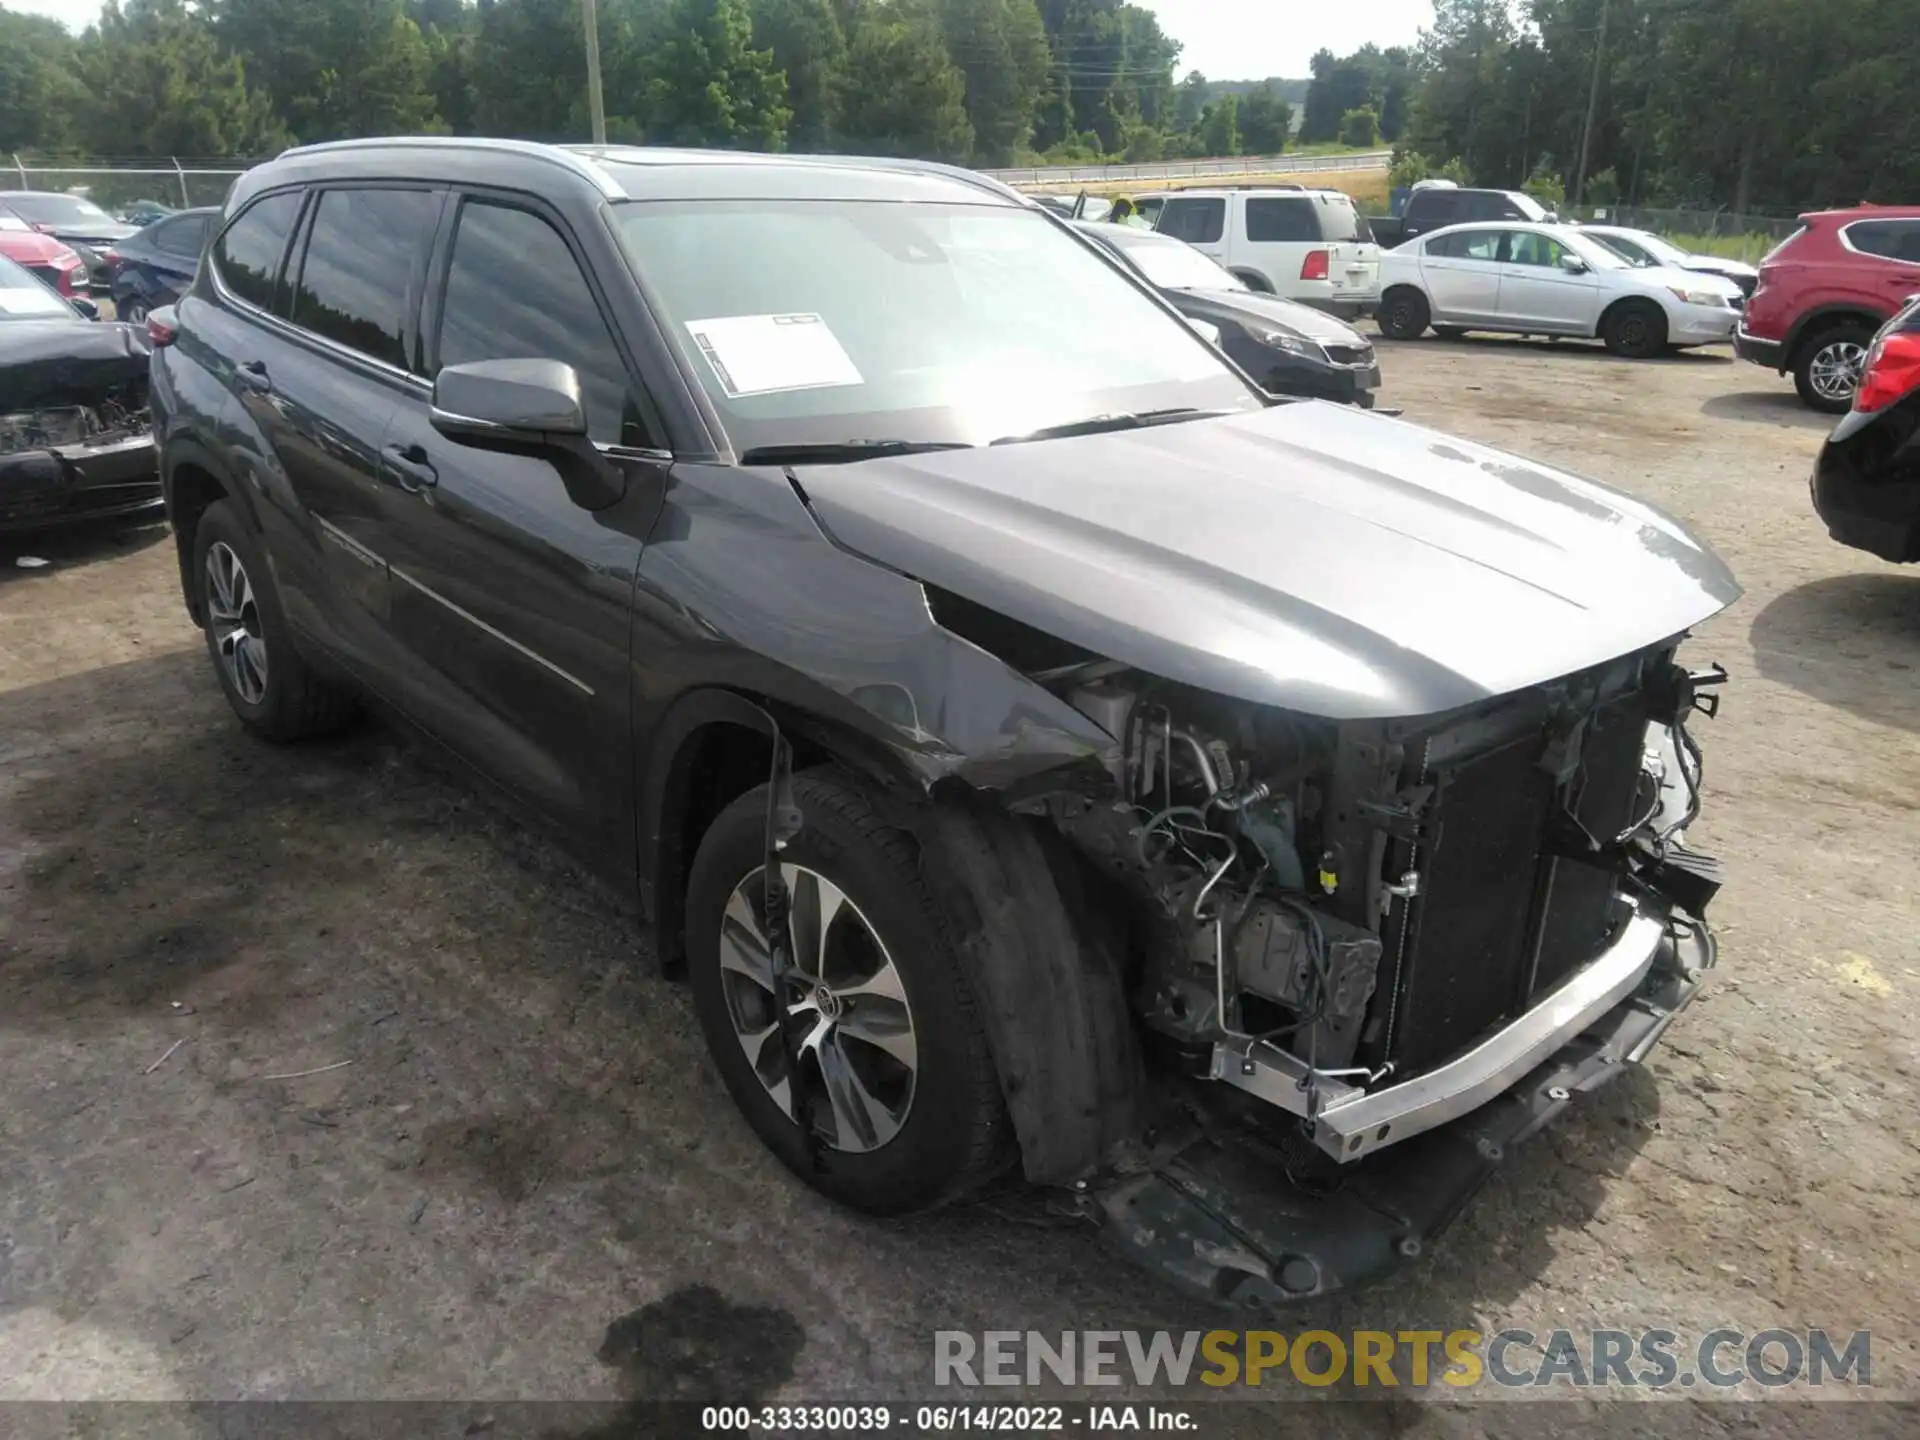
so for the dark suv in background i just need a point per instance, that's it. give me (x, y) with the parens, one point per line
(1025, 734)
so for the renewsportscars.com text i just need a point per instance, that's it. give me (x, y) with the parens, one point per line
(1634, 1359)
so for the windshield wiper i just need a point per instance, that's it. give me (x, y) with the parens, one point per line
(843, 452)
(1102, 424)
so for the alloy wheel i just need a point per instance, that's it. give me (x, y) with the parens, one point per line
(843, 1008)
(233, 618)
(1835, 370)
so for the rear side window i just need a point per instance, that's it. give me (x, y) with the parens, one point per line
(1890, 239)
(1198, 221)
(356, 274)
(248, 254)
(182, 236)
(1494, 206)
(515, 292)
(1271, 221)
(1466, 245)
(1437, 206)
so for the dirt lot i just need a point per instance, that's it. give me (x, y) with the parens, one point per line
(527, 1145)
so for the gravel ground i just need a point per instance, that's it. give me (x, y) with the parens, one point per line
(525, 1144)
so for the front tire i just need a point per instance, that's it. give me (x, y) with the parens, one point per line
(270, 686)
(1635, 330)
(897, 1086)
(131, 311)
(1404, 314)
(1828, 367)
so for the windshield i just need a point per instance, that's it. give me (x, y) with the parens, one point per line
(828, 321)
(51, 209)
(1644, 249)
(1174, 265)
(1590, 249)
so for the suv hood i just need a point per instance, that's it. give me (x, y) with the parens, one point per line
(1309, 556)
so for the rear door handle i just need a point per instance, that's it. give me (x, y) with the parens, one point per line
(409, 466)
(253, 376)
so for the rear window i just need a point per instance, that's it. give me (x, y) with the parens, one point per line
(1277, 222)
(1341, 223)
(1890, 239)
(1777, 251)
(248, 255)
(356, 274)
(1199, 221)
(183, 235)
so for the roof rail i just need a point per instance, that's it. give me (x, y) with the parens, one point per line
(560, 155)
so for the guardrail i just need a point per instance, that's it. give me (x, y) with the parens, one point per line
(1196, 169)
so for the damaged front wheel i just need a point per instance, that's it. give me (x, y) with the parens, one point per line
(861, 1059)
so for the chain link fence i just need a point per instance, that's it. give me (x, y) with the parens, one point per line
(181, 185)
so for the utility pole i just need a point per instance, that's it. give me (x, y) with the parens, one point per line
(1593, 105)
(590, 17)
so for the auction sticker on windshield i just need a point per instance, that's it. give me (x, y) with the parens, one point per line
(23, 300)
(767, 354)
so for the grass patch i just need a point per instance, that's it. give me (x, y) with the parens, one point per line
(1749, 248)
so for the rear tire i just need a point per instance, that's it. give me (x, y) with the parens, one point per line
(1634, 330)
(270, 686)
(941, 1128)
(133, 311)
(1828, 367)
(1404, 313)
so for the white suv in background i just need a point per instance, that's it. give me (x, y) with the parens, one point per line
(1312, 246)
(1549, 280)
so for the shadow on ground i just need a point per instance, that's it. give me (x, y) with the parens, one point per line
(1848, 640)
(1768, 407)
(297, 906)
(71, 545)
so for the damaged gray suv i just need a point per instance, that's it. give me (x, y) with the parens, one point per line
(1035, 745)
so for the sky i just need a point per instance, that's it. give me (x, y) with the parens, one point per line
(1226, 39)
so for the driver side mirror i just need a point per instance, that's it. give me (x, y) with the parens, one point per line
(1574, 265)
(85, 306)
(531, 408)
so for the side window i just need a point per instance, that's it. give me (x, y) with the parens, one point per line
(356, 272)
(248, 254)
(515, 292)
(1197, 221)
(1892, 239)
(1466, 245)
(1280, 221)
(1434, 208)
(1532, 249)
(180, 236)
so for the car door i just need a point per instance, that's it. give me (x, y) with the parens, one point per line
(319, 372)
(512, 601)
(1461, 270)
(1538, 292)
(1200, 220)
(175, 246)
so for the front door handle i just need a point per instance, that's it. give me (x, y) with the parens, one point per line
(409, 467)
(252, 376)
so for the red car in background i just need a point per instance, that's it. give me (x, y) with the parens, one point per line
(51, 260)
(1825, 292)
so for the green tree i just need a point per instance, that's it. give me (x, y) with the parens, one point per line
(911, 100)
(158, 84)
(810, 49)
(1219, 132)
(40, 87)
(708, 85)
(334, 69)
(1266, 121)
(1000, 46)
(1360, 127)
